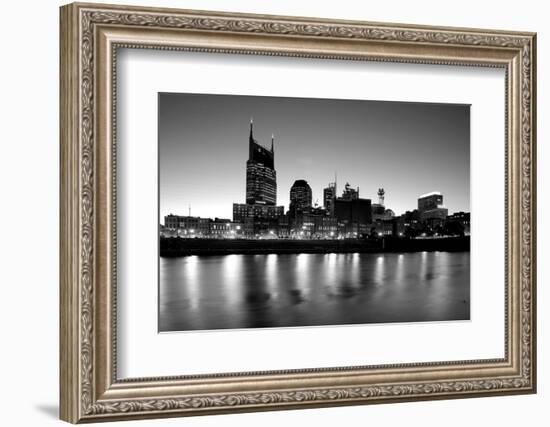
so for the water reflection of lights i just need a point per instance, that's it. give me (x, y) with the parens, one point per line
(379, 270)
(442, 268)
(330, 275)
(399, 274)
(310, 287)
(355, 270)
(192, 279)
(423, 266)
(302, 271)
(271, 276)
(232, 270)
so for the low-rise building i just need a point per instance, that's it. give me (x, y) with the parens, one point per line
(241, 211)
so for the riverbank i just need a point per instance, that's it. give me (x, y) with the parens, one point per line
(177, 246)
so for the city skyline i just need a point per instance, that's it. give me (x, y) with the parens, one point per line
(406, 148)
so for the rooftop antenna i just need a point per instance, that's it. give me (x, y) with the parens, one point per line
(189, 209)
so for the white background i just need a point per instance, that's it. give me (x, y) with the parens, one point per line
(29, 172)
(145, 353)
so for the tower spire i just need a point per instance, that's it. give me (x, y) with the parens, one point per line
(272, 140)
(251, 138)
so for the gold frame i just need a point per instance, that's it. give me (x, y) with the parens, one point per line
(90, 35)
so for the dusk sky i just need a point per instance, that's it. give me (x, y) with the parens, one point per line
(407, 148)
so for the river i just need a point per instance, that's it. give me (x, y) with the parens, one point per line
(255, 291)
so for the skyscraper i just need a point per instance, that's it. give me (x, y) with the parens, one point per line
(300, 196)
(260, 212)
(329, 196)
(261, 178)
(353, 214)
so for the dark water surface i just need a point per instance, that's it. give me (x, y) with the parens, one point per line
(253, 291)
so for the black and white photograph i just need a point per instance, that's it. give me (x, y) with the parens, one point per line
(263, 207)
(301, 212)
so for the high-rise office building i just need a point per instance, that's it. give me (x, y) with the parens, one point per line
(329, 196)
(300, 196)
(260, 211)
(354, 215)
(430, 207)
(430, 201)
(356, 211)
(261, 178)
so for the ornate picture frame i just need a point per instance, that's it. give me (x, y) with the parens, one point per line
(90, 37)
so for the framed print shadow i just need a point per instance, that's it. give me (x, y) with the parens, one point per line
(265, 212)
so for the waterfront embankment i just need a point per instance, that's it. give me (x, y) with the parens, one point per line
(177, 246)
